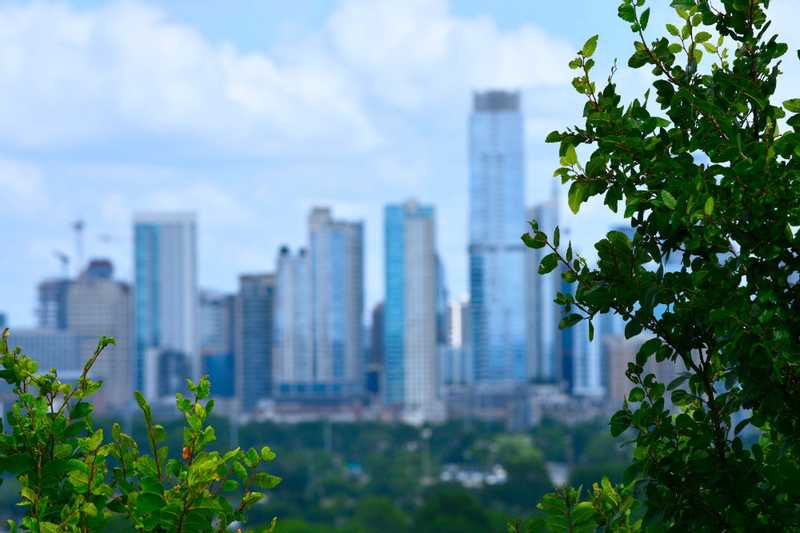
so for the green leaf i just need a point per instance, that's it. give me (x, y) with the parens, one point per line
(570, 320)
(792, 105)
(532, 242)
(148, 502)
(556, 237)
(709, 207)
(644, 18)
(575, 196)
(620, 422)
(636, 395)
(570, 157)
(702, 37)
(589, 46)
(668, 199)
(673, 29)
(548, 263)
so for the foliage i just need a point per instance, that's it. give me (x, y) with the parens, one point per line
(450, 509)
(74, 480)
(705, 167)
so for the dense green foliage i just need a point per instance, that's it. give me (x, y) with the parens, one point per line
(72, 479)
(705, 167)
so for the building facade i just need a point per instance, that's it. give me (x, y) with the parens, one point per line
(410, 314)
(99, 306)
(336, 256)
(254, 343)
(293, 364)
(496, 254)
(51, 310)
(216, 323)
(165, 302)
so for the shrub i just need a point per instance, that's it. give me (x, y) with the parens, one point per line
(73, 479)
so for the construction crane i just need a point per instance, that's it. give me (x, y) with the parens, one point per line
(78, 227)
(64, 260)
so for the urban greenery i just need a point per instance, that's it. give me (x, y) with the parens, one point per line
(706, 168)
(71, 478)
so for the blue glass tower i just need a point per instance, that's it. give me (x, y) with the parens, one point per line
(496, 254)
(165, 301)
(414, 283)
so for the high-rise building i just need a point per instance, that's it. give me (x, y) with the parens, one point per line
(3, 321)
(254, 342)
(52, 305)
(410, 325)
(542, 313)
(216, 332)
(165, 308)
(456, 365)
(496, 254)
(293, 364)
(376, 360)
(336, 255)
(99, 306)
(588, 363)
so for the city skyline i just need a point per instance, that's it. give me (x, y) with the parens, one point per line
(358, 130)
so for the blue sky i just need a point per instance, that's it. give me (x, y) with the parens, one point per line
(252, 111)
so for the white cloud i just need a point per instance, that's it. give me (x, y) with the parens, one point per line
(415, 52)
(21, 187)
(72, 77)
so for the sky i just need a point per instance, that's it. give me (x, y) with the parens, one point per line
(250, 112)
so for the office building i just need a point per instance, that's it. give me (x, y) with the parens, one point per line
(97, 306)
(375, 361)
(336, 256)
(51, 309)
(254, 342)
(496, 254)
(165, 303)
(216, 332)
(410, 325)
(292, 360)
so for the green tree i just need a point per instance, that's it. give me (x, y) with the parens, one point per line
(705, 168)
(450, 509)
(68, 484)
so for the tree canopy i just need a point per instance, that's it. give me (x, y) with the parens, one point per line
(704, 166)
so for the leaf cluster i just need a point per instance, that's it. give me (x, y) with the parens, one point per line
(73, 479)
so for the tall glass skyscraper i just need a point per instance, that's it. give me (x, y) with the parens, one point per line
(336, 256)
(165, 289)
(292, 361)
(410, 321)
(496, 254)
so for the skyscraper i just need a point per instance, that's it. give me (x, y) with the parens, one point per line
(97, 306)
(216, 333)
(165, 270)
(542, 313)
(292, 360)
(336, 255)
(254, 325)
(52, 305)
(588, 363)
(377, 358)
(410, 325)
(496, 221)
